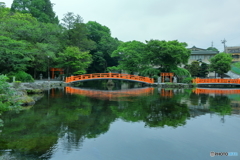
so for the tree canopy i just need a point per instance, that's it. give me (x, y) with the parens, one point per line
(76, 32)
(167, 54)
(74, 60)
(213, 49)
(41, 9)
(130, 55)
(151, 58)
(221, 63)
(33, 26)
(105, 45)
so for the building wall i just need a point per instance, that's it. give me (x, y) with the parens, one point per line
(235, 52)
(204, 58)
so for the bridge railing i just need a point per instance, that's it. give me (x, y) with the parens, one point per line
(109, 75)
(199, 80)
(216, 91)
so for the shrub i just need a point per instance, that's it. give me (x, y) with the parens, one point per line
(187, 80)
(21, 76)
(7, 98)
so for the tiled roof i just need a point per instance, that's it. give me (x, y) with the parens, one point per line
(204, 52)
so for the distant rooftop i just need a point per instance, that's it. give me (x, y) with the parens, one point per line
(196, 50)
(233, 49)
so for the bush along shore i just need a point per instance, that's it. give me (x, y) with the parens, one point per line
(17, 95)
(28, 93)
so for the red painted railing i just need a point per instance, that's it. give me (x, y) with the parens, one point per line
(109, 76)
(233, 81)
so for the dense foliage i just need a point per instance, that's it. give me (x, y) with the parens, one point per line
(32, 40)
(198, 69)
(221, 63)
(41, 9)
(75, 60)
(20, 76)
(151, 58)
(182, 74)
(7, 96)
(131, 56)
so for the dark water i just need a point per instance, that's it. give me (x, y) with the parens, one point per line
(133, 124)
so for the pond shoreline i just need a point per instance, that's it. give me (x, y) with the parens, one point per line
(28, 93)
(173, 85)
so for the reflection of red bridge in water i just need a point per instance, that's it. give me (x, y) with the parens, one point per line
(114, 95)
(216, 91)
(110, 94)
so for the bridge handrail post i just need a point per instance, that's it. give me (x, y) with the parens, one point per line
(152, 80)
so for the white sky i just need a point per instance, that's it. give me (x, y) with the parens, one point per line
(197, 22)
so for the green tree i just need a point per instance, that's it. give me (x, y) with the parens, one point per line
(105, 45)
(193, 68)
(2, 5)
(42, 38)
(203, 70)
(74, 61)
(7, 96)
(70, 19)
(221, 63)
(167, 55)
(131, 56)
(41, 9)
(3, 10)
(212, 49)
(76, 33)
(181, 73)
(14, 55)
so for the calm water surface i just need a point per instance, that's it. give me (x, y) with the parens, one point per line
(127, 124)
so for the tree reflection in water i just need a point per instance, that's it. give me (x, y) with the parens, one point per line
(70, 119)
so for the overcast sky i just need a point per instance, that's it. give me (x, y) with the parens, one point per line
(196, 22)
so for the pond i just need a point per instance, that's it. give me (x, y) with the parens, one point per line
(122, 123)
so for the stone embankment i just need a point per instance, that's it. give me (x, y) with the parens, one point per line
(174, 85)
(28, 93)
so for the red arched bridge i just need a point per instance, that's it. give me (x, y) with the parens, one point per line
(100, 76)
